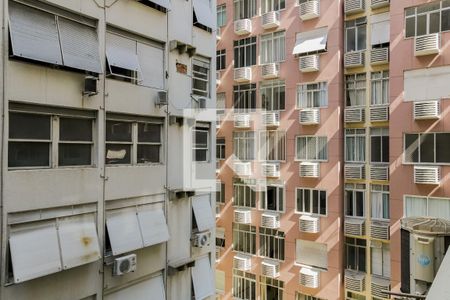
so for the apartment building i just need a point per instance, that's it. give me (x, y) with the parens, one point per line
(279, 150)
(108, 150)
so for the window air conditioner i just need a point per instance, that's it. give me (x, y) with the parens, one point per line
(90, 86)
(124, 264)
(202, 239)
(162, 98)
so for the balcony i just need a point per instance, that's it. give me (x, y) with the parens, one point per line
(242, 262)
(270, 71)
(242, 168)
(309, 169)
(380, 230)
(309, 278)
(354, 59)
(242, 75)
(379, 172)
(309, 63)
(354, 226)
(379, 113)
(271, 119)
(355, 281)
(309, 10)
(374, 4)
(427, 175)
(309, 116)
(378, 285)
(243, 26)
(427, 44)
(270, 268)
(243, 216)
(426, 110)
(354, 6)
(309, 224)
(355, 171)
(270, 20)
(355, 114)
(271, 169)
(270, 220)
(379, 56)
(242, 121)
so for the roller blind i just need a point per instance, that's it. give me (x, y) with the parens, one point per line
(122, 52)
(151, 61)
(312, 254)
(380, 33)
(427, 84)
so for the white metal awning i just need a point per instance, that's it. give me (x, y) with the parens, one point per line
(440, 289)
(153, 226)
(164, 3)
(203, 212)
(380, 33)
(203, 278)
(311, 41)
(204, 13)
(122, 52)
(152, 288)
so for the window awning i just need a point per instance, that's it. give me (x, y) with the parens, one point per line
(153, 226)
(204, 13)
(203, 278)
(203, 212)
(164, 3)
(312, 254)
(152, 288)
(122, 52)
(311, 41)
(380, 33)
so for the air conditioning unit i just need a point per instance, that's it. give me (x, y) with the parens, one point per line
(379, 172)
(355, 281)
(309, 116)
(242, 168)
(426, 110)
(124, 264)
(201, 102)
(243, 26)
(162, 98)
(309, 278)
(271, 169)
(427, 175)
(271, 119)
(379, 56)
(427, 44)
(354, 59)
(309, 224)
(378, 285)
(310, 169)
(242, 262)
(309, 10)
(270, 268)
(355, 227)
(270, 220)
(354, 171)
(243, 74)
(243, 216)
(379, 113)
(90, 86)
(270, 71)
(309, 63)
(379, 3)
(354, 6)
(242, 121)
(202, 239)
(380, 230)
(424, 252)
(354, 114)
(270, 20)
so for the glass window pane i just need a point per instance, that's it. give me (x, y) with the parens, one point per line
(351, 45)
(349, 203)
(427, 147)
(149, 133)
(71, 129)
(148, 154)
(360, 204)
(201, 155)
(74, 154)
(201, 139)
(442, 147)
(410, 27)
(385, 148)
(375, 149)
(421, 25)
(323, 203)
(445, 20)
(361, 37)
(315, 195)
(307, 201)
(118, 154)
(25, 154)
(411, 148)
(434, 22)
(118, 131)
(29, 126)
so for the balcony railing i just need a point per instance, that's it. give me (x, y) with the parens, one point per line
(379, 113)
(354, 59)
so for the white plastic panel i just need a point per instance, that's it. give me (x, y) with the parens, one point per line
(151, 61)
(34, 251)
(34, 34)
(203, 212)
(122, 52)
(310, 41)
(204, 13)
(203, 278)
(79, 46)
(380, 28)
(123, 229)
(79, 241)
(153, 226)
(150, 289)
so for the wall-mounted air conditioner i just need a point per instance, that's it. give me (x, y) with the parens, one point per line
(243, 26)
(380, 230)
(90, 86)
(309, 278)
(427, 110)
(309, 63)
(427, 44)
(354, 59)
(354, 171)
(309, 224)
(270, 20)
(242, 120)
(309, 169)
(355, 281)
(427, 175)
(354, 226)
(271, 169)
(309, 10)
(270, 71)
(242, 262)
(243, 216)
(309, 116)
(379, 113)
(270, 268)
(243, 74)
(242, 168)
(270, 220)
(379, 172)
(124, 264)
(271, 119)
(354, 114)
(202, 239)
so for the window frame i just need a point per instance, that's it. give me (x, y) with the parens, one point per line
(271, 5)
(246, 91)
(316, 138)
(202, 63)
(246, 139)
(246, 191)
(357, 254)
(385, 257)
(419, 143)
(277, 137)
(427, 200)
(356, 80)
(357, 25)
(356, 134)
(273, 98)
(272, 240)
(354, 189)
(271, 44)
(240, 49)
(383, 190)
(379, 133)
(208, 144)
(263, 201)
(266, 282)
(382, 83)
(247, 280)
(426, 13)
(248, 8)
(221, 59)
(221, 15)
(220, 148)
(302, 211)
(303, 91)
(247, 233)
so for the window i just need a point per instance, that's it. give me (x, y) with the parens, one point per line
(311, 201)
(221, 15)
(220, 192)
(244, 285)
(379, 197)
(355, 296)
(355, 145)
(271, 289)
(355, 89)
(271, 243)
(32, 142)
(355, 250)
(244, 145)
(220, 237)
(379, 145)
(200, 77)
(221, 59)
(220, 108)
(244, 97)
(312, 254)
(220, 148)
(311, 42)
(244, 9)
(380, 88)
(312, 95)
(201, 143)
(428, 18)
(355, 35)
(272, 47)
(244, 194)
(419, 206)
(273, 95)
(298, 295)
(245, 52)
(272, 145)
(272, 5)
(272, 198)
(244, 238)
(313, 148)
(121, 140)
(380, 259)
(427, 148)
(354, 200)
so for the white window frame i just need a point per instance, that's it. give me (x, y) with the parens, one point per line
(354, 189)
(306, 93)
(429, 202)
(272, 5)
(379, 133)
(247, 140)
(419, 144)
(221, 54)
(267, 281)
(358, 25)
(263, 201)
(411, 12)
(206, 148)
(248, 281)
(246, 234)
(359, 140)
(245, 43)
(273, 46)
(220, 148)
(272, 240)
(273, 99)
(301, 296)
(317, 140)
(355, 245)
(221, 15)
(244, 5)
(272, 140)
(240, 189)
(355, 84)
(197, 75)
(302, 210)
(381, 200)
(246, 91)
(379, 84)
(385, 259)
